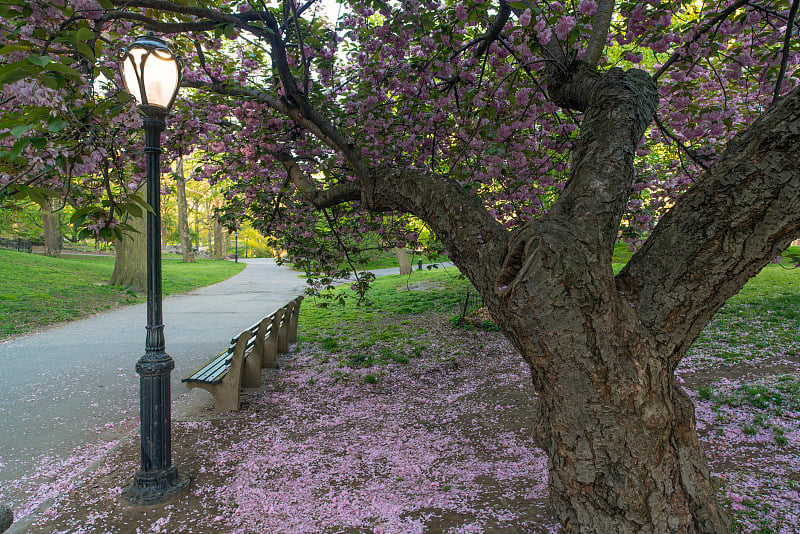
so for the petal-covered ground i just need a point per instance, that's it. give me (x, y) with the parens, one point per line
(421, 427)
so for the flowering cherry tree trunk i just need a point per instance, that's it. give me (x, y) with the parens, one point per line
(618, 429)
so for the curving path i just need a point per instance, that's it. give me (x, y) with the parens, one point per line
(65, 388)
(69, 385)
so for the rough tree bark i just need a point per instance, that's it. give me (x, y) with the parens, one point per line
(50, 230)
(619, 431)
(130, 261)
(402, 260)
(183, 215)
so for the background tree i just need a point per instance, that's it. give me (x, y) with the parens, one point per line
(51, 229)
(520, 141)
(183, 213)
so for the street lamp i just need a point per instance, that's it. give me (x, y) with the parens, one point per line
(152, 75)
(236, 247)
(245, 246)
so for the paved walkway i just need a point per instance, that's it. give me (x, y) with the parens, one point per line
(71, 385)
(58, 387)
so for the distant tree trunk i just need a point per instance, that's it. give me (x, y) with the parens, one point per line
(210, 229)
(220, 245)
(130, 262)
(402, 260)
(196, 209)
(51, 230)
(183, 219)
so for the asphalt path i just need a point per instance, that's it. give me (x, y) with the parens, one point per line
(61, 388)
(73, 384)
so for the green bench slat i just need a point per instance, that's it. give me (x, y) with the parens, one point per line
(213, 371)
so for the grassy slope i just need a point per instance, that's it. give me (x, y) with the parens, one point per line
(36, 290)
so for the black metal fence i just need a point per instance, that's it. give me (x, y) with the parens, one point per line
(18, 243)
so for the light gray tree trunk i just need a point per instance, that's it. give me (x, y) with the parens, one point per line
(402, 260)
(130, 261)
(183, 216)
(220, 243)
(51, 230)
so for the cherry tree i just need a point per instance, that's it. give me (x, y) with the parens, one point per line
(528, 137)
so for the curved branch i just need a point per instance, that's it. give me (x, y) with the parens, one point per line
(320, 199)
(503, 12)
(240, 20)
(694, 157)
(600, 27)
(721, 232)
(157, 25)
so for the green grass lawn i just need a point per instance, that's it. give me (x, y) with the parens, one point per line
(36, 290)
(772, 299)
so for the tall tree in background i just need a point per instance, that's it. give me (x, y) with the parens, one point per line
(51, 229)
(519, 132)
(183, 213)
(130, 259)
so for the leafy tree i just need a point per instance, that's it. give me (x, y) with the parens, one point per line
(518, 132)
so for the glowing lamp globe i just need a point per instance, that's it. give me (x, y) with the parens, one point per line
(151, 74)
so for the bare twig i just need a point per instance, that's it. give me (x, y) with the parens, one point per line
(787, 38)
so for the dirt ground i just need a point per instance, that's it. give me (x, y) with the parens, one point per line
(440, 442)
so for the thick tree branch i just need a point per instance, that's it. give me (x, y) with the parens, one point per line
(721, 232)
(618, 108)
(157, 25)
(600, 27)
(474, 240)
(241, 20)
(320, 199)
(503, 12)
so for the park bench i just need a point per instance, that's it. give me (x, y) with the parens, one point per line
(239, 366)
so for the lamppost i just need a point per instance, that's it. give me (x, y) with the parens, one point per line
(236, 247)
(152, 74)
(245, 247)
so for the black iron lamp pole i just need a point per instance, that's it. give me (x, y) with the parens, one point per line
(152, 75)
(236, 248)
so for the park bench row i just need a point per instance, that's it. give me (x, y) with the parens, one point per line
(239, 366)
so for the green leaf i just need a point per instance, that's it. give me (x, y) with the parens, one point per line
(22, 129)
(80, 212)
(63, 69)
(84, 34)
(131, 207)
(13, 48)
(141, 202)
(7, 70)
(39, 142)
(85, 233)
(85, 49)
(42, 61)
(56, 125)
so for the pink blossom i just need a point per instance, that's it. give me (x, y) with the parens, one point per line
(588, 8)
(564, 26)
